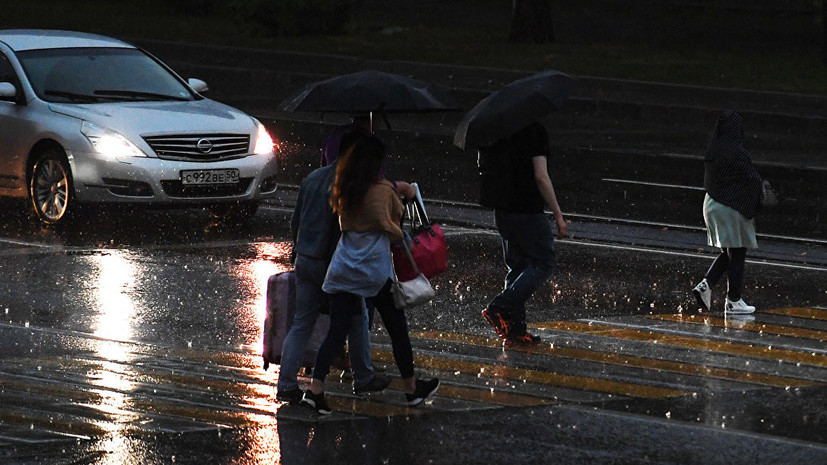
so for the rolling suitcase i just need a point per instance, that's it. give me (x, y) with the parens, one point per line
(281, 304)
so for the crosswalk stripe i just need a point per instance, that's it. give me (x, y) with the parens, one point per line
(799, 312)
(627, 360)
(757, 327)
(546, 378)
(488, 396)
(73, 426)
(654, 337)
(368, 408)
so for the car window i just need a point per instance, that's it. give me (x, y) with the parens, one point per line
(7, 73)
(92, 75)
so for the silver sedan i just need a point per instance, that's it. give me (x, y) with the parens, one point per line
(87, 119)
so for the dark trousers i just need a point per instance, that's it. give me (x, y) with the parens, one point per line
(730, 261)
(343, 306)
(397, 326)
(528, 250)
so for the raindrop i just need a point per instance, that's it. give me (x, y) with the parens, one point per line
(26, 324)
(668, 414)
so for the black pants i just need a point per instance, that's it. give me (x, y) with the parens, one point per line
(397, 326)
(730, 261)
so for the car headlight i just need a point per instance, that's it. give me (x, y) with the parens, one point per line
(109, 143)
(264, 143)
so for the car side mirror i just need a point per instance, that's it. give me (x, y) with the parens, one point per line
(198, 85)
(8, 91)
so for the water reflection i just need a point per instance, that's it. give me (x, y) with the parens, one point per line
(114, 279)
(269, 258)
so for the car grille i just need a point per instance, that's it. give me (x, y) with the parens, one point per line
(199, 147)
(176, 189)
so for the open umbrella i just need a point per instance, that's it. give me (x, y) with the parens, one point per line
(512, 108)
(370, 91)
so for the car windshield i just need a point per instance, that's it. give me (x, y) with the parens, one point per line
(97, 75)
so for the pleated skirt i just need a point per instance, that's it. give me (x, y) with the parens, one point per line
(726, 227)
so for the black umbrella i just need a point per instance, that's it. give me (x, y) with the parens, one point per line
(512, 108)
(369, 91)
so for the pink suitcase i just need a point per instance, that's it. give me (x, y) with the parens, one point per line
(281, 304)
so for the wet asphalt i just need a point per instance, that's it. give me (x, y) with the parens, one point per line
(133, 337)
(134, 340)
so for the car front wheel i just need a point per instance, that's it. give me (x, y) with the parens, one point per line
(50, 188)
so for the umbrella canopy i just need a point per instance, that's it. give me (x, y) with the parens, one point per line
(512, 108)
(369, 91)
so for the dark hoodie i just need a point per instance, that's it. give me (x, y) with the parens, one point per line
(729, 176)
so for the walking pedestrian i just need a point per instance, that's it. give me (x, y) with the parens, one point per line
(315, 230)
(733, 196)
(516, 184)
(370, 212)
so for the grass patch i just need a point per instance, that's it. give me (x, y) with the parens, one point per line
(627, 39)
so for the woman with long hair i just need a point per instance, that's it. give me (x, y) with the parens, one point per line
(370, 214)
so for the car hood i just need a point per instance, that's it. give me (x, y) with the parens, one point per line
(136, 119)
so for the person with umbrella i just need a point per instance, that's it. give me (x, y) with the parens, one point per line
(516, 184)
(370, 214)
(315, 231)
(513, 163)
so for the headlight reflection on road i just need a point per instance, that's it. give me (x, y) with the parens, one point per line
(270, 258)
(115, 278)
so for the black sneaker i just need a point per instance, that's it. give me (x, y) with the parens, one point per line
(524, 339)
(424, 389)
(377, 383)
(497, 320)
(316, 402)
(289, 396)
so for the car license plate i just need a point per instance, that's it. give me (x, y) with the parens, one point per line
(209, 177)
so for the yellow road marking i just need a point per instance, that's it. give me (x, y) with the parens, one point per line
(487, 396)
(626, 360)
(675, 340)
(745, 325)
(545, 378)
(798, 312)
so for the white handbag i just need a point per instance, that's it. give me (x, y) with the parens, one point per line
(409, 294)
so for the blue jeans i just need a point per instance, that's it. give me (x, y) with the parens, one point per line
(528, 249)
(310, 300)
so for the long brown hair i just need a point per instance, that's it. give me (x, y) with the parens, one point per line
(358, 169)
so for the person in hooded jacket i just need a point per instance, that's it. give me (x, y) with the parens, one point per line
(733, 197)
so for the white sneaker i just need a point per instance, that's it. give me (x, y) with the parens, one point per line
(703, 294)
(739, 307)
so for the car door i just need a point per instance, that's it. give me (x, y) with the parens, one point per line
(16, 132)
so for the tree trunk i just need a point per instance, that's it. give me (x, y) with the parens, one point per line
(531, 21)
